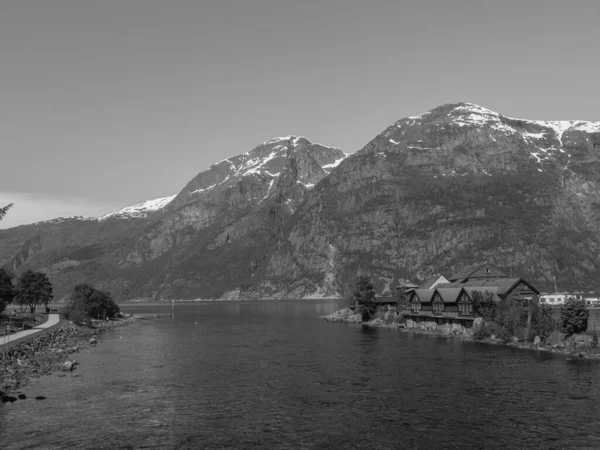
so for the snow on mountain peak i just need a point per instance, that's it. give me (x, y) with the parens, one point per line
(141, 209)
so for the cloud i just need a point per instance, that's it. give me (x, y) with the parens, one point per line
(35, 207)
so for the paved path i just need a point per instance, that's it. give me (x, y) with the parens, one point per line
(53, 319)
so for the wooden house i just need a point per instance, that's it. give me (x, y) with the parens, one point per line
(485, 276)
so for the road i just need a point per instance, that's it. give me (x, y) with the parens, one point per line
(53, 319)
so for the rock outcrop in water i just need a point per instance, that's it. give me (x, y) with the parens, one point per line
(432, 193)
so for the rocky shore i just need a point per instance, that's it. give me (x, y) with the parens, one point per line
(574, 347)
(47, 353)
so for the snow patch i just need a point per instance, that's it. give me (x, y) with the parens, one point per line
(141, 209)
(336, 162)
(199, 191)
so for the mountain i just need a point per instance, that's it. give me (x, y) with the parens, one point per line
(431, 193)
(210, 236)
(441, 190)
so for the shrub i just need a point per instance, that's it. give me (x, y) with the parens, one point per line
(481, 331)
(594, 342)
(574, 316)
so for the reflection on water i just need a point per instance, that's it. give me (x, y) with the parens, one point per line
(273, 375)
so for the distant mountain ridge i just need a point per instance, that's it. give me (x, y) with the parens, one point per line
(431, 193)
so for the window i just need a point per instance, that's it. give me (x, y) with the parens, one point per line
(415, 307)
(465, 309)
(438, 307)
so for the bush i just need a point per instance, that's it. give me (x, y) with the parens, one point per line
(89, 303)
(574, 316)
(481, 331)
(594, 342)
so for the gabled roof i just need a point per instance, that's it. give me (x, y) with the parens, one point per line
(503, 285)
(424, 295)
(485, 270)
(428, 282)
(489, 289)
(449, 295)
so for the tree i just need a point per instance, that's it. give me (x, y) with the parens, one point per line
(542, 321)
(574, 316)
(484, 305)
(7, 290)
(364, 296)
(33, 289)
(4, 210)
(88, 303)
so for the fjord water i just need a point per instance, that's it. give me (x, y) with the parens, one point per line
(272, 374)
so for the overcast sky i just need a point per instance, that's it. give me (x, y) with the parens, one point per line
(107, 103)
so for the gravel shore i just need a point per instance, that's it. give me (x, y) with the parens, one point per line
(49, 352)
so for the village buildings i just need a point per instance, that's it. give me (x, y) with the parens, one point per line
(449, 305)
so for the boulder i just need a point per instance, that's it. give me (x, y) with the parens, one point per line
(67, 366)
(93, 340)
(22, 396)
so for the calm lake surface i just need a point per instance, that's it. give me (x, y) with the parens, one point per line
(273, 375)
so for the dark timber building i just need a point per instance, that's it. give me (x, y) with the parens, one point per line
(451, 304)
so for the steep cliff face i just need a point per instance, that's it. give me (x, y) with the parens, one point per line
(431, 193)
(437, 191)
(212, 236)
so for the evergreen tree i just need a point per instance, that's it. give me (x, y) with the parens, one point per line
(33, 289)
(7, 290)
(574, 316)
(364, 296)
(4, 210)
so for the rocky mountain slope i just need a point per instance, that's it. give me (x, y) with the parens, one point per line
(435, 192)
(213, 235)
(431, 193)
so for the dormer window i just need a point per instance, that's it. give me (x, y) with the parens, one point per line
(487, 270)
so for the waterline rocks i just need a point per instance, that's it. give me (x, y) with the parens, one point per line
(343, 315)
(48, 352)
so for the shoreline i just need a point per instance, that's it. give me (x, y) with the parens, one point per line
(581, 352)
(47, 353)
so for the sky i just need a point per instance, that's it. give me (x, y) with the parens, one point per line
(108, 103)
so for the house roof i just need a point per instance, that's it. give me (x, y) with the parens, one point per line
(449, 295)
(424, 295)
(489, 289)
(485, 270)
(503, 285)
(428, 282)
